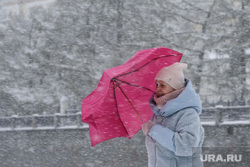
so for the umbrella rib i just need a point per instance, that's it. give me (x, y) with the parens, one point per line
(117, 108)
(135, 85)
(143, 66)
(130, 102)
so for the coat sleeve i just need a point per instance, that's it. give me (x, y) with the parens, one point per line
(187, 134)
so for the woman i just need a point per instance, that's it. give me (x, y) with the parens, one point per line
(174, 134)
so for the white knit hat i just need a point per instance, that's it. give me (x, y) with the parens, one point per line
(173, 75)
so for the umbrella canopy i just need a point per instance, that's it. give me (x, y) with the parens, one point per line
(119, 104)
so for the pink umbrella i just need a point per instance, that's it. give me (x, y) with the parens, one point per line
(119, 104)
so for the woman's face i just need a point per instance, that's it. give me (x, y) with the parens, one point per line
(162, 88)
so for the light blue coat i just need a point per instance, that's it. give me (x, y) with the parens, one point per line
(177, 136)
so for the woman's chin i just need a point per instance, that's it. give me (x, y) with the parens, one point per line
(158, 95)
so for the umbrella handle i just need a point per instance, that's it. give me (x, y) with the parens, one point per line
(129, 102)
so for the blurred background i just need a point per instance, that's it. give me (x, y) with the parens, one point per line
(52, 51)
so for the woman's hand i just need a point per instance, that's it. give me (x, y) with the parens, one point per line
(146, 127)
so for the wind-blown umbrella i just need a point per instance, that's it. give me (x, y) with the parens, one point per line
(119, 104)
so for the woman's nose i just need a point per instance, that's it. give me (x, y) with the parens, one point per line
(157, 88)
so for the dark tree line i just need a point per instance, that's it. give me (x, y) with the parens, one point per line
(63, 50)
